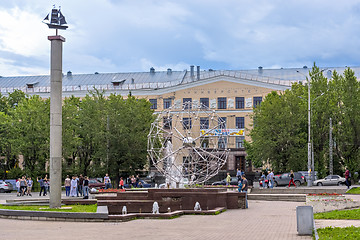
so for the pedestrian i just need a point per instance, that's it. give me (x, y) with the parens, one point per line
(270, 179)
(107, 181)
(86, 187)
(291, 178)
(121, 183)
(262, 179)
(29, 186)
(347, 178)
(47, 183)
(133, 181)
(67, 184)
(42, 186)
(22, 186)
(18, 187)
(238, 174)
(137, 180)
(228, 179)
(77, 185)
(245, 189)
(80, 185)
(73, 187)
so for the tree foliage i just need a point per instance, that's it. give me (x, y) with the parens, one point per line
(100, 134)
(280, 132)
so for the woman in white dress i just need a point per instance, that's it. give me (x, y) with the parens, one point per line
(73, 187)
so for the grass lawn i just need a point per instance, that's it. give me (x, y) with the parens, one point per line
(75, 208)
(354, 190)
(339, 233)
(339, 214)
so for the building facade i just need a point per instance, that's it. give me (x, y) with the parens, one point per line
(232, 94)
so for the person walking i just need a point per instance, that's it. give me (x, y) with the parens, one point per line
(245, 189)
(228, 179)
(73, 187)
(67, 185)
(42, 186)
(81, 184)
(271, 179)
(291, 178)
(347, 178)
(18, 187)
(121, 183)
(22, 186)
(86, 187)
(263, 178)
(107, 181)
(238, 174)
(29, 186)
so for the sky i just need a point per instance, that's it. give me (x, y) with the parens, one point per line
(134, 35)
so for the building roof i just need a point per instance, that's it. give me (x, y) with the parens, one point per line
(158, 80)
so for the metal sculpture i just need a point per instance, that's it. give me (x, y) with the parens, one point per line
(188, 142)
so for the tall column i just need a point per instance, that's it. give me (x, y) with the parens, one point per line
(56, 120)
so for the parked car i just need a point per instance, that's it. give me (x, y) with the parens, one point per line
(96, 183)
(143, 183)
(284, 179)
(5, 187)
(233, 181)
(330, 180)
(13, 183)
(306, 174)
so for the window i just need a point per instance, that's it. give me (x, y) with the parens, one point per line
(257, 101)
(187, 123)
(167, 122)
(222, 142)
(204, 123)
(222, 122)
(188, 102)
(239, 102)
(222, 103)
(154, 103)
(240, 122)
(167, 103)
(204, 102)
(239, 141)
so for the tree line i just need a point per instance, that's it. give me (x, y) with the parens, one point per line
(100, 135)
(280, 125)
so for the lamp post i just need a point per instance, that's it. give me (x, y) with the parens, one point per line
(311, 162)
(309, 180)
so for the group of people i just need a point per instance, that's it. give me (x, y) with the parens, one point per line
(77, 186)
(24, 186)
(270, 179)
(242, 183)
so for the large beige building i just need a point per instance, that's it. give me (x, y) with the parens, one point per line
(232, 94)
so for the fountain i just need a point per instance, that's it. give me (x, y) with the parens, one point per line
(155, 209)
(124, 210)
(197, 206)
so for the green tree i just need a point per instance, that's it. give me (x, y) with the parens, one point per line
(129, 124)
(31, 121)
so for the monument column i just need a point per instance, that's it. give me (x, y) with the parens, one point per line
(56, 120)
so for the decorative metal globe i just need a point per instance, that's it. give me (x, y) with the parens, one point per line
(188, 142)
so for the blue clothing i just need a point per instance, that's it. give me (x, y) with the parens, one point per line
(41, 181)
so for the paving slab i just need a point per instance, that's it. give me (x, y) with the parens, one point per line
(262, 220)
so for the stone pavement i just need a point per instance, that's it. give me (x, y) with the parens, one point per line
(263, 220)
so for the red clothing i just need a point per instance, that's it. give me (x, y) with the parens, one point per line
(347, 173)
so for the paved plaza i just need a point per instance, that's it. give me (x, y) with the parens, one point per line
(263, 220)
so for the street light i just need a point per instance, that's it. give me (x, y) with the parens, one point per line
(311, 164)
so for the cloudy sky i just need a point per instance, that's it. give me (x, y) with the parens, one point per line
(134, 35)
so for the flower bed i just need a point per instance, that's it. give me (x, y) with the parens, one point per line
(324, 202)
(111, 190)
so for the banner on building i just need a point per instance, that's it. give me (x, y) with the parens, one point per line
(223, 132)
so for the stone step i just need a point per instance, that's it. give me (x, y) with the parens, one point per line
(278, 197)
